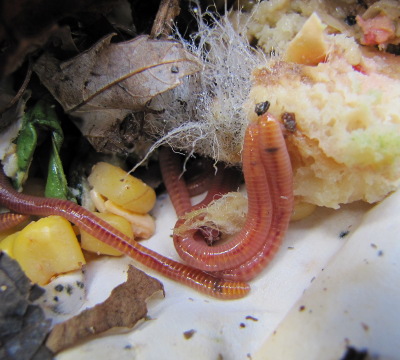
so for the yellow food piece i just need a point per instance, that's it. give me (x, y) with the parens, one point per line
(302, 210)
(309, 46)
(7, 244)
(90, 243)
(143, 225)
(123, 189)
(46, 248)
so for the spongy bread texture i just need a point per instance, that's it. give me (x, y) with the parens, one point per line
(347, 143)
(346, 104)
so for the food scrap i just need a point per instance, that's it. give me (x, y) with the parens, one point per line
(123, 308)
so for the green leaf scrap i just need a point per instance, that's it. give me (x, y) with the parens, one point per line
(42, 117)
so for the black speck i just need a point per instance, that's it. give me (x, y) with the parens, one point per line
(80, 284)
(350, 20)
(249, 317)
(262, 107)
(374, 246)
(86, 83)
(55, 298)
(174, 69)
(242, 325)
(189, 334)
(69, 289)
(290, 247)
(302, 308)
(128, 347)
(380, 253)
(59, 288)
(344, 233)
(354, 354)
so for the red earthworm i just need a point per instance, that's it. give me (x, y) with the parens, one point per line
(9, 220)
(250, 240)
(276, 161)
(170, 166)
(180, 192)
(224, 181)
(200, 182)
(85, 220)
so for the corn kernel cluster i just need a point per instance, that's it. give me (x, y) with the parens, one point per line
(50, 246)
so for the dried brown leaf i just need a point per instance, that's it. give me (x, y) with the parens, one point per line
(107, 84)
(123, 308)
(167, 12)
(124, 75)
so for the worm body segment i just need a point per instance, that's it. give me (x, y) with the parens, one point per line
(250, 239)
(85, 220)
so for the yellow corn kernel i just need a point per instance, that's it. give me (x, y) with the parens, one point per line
(46, 248)
(98, 200)
(302, 210)
(7, 244)
(143, 225)
(121, 188)
(90, 243)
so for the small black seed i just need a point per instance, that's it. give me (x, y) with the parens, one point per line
(262, 107)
